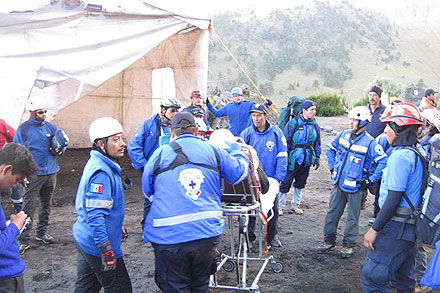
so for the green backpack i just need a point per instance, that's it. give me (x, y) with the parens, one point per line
(291, 111)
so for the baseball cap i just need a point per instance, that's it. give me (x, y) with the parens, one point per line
(429, 92)
(259, 108)
(183, 120)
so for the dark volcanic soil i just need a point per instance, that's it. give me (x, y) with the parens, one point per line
(52, 268)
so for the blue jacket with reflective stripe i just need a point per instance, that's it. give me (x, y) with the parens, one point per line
(99, 205)
(271, 149)
(186, 201)
(36, 136)
(239, 117)
(145, 141)
(305, 133)
(351, 158)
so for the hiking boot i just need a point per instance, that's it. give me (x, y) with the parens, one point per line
(46, 238)
(326, 247)
(24, 247)
(275, 243)
(297, 210)
(423, 289)
(346, 252)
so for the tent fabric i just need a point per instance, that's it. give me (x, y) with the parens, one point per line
(64, 54)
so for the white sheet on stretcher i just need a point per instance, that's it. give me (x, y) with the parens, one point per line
(268, 198)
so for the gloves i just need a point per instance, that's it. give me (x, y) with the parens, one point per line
(207, 101)
(365, 183)
(124, 233)
(269, 102)
(108, 256)
(316, 163)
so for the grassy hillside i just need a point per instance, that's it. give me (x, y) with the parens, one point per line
(322, 48)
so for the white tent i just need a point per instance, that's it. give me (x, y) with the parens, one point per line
(90, 61)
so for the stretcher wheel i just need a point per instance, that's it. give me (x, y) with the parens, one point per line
(277, 267)
(229, 266)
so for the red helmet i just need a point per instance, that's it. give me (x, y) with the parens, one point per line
(195, 94)
(402, 114)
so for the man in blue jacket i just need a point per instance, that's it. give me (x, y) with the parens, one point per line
(152, 133)
(237, 112)
(391, 240)
(375, 127)
(185, 222)
(304, 146)
(36, 134)
(100, 213)
(271, 147)
(16, 163)
(349, 155)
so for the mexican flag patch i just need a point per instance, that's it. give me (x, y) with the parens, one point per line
(96, 188)
(356, 160)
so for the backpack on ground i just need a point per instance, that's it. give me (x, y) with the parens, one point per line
(428, 213)
(291, 111)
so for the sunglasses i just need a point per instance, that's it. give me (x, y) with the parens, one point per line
(173, 110)
(41, 112)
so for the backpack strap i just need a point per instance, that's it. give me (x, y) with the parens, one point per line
(182, 159)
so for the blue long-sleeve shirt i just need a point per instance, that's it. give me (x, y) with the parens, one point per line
(238, 115)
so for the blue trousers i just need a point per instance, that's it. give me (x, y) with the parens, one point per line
(338, 201)
(392, 260)
(185, 267)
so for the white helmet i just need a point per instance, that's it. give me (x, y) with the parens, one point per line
(104, 127)
(360, 113)
(170, 102)
(220, 137)
(201, 125)
(36, 104)
(432, 116)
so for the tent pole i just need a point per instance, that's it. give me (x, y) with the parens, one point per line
(122, 99)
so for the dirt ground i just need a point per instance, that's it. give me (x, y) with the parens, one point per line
(52, 268)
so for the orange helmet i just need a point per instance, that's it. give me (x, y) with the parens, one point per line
(402, 114)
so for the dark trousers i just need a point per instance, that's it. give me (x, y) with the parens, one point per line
(391, 263)
(41, 187)
(91, 277)
(272, 225)
(12, 285)
(185, 267)
(300, 174)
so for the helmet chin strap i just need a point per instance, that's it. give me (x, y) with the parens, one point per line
(104, 151)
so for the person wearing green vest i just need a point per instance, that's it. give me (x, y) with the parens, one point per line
(304, 148)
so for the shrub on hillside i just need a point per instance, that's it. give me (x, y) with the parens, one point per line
(362, 102)
(328, 104)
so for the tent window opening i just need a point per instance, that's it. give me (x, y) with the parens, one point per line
(163, 86)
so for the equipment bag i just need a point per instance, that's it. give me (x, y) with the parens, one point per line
(291, 111)
(58, 142)
(428, 213)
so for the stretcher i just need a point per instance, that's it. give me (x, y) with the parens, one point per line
(240, 202)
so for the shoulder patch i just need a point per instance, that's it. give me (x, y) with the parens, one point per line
(379, 150)
(284, 141)
(96, 187)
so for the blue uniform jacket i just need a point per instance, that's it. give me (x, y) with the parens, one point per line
(11, 265)
(99, 205)
(36, 136)
(145, 141)
(239, 117)
(402, 175)
(186, 201)
(271, 149)
(351, 158)
(305, 133)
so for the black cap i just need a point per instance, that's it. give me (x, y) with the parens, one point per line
(377, 90)
(429, 92)
(183, 120)
(259, 108)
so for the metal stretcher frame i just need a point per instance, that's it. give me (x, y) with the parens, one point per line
(242, 201)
